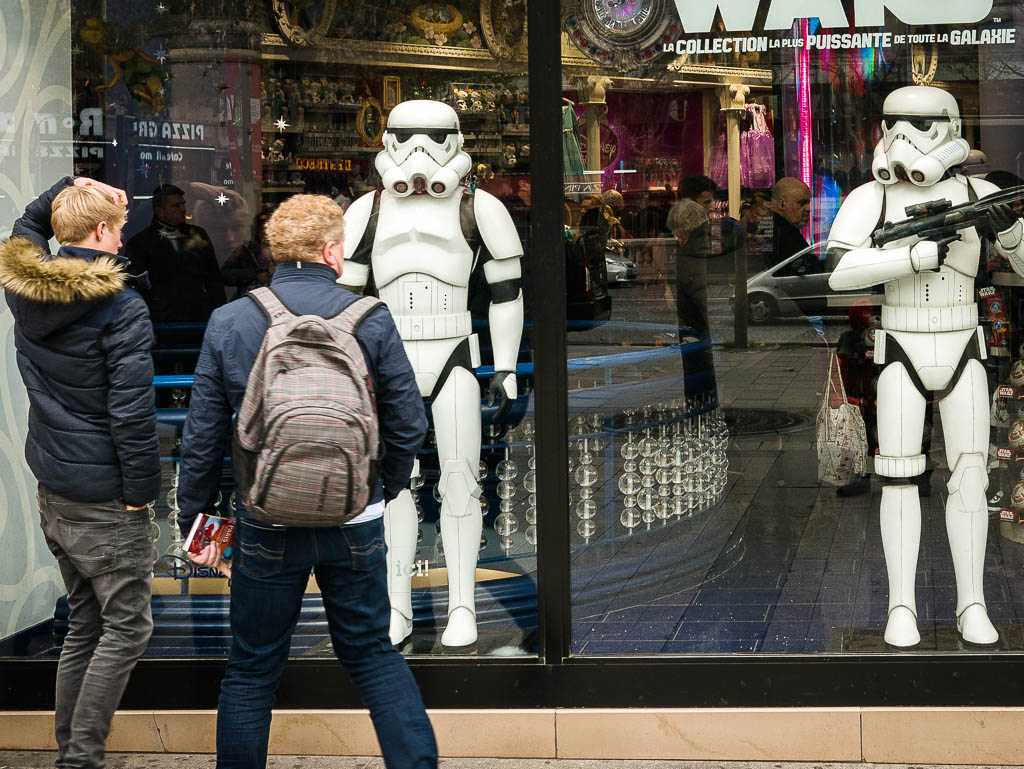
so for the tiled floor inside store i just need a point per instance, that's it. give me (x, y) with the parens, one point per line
(782, 564)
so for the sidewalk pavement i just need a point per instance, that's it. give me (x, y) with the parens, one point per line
(45, 759)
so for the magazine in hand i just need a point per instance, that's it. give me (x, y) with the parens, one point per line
(211, 528)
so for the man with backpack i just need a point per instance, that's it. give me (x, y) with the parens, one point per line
(328, 429)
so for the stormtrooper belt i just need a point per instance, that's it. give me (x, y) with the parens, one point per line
(959, 317)
(416, 327)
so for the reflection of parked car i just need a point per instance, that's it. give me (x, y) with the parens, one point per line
(620, 269)
(796, 286)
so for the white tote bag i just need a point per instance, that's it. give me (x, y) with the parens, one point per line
(842, 437)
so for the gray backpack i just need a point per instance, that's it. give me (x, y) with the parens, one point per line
(306, 447)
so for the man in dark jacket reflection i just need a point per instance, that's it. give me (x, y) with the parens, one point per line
(690, 224)
(185, 279)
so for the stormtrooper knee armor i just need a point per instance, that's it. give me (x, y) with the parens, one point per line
(421, 237)
(930, 345)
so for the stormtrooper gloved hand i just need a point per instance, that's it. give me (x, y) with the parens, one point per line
(502, 388)
(1005, 226)
(930, 254)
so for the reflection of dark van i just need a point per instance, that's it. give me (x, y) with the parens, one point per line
(586, 275)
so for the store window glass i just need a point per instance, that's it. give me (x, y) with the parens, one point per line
(209, 115)
(792, 327)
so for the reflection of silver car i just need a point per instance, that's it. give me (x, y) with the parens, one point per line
(620, 269)
(796, 286)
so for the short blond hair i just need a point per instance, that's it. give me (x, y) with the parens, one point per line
(77, 212)
(301, 225)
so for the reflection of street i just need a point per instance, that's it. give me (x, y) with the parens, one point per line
(652, 302)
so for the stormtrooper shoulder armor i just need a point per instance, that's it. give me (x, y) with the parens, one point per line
(858, 217)
(357, 217)
(496, 226)
(981, 187)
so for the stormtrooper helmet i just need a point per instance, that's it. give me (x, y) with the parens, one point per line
(423, 150)
(920, 137)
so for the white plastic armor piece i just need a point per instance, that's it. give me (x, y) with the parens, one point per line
(423, 150)
(930, 322)
(920, 137)
(421, 264)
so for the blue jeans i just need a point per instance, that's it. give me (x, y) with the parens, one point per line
(269, 576)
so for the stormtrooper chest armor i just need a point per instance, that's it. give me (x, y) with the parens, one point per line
(948, 291)
(422, 265)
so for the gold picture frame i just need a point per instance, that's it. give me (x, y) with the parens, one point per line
(370, 122)
(392, 91)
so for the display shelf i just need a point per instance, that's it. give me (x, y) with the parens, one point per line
(1003, 278)
(288, 188)
(330, 108)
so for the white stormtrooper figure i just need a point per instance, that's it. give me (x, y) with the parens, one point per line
(930, 345)
(421, 238)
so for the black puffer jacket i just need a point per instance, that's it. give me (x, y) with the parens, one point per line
(83, 340)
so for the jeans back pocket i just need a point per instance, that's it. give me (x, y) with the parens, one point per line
(366, 544)
(92, 547)
(260, 550)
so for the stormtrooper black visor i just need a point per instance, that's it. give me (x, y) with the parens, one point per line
(920, 122)
(436, 135)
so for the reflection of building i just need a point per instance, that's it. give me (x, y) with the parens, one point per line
(258, 108)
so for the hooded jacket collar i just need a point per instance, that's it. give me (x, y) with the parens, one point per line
(48, 293)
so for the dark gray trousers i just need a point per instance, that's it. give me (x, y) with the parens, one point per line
(105, 557)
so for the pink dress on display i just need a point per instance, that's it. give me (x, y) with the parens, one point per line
(757, 150)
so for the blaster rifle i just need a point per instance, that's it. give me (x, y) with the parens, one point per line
(940, 219)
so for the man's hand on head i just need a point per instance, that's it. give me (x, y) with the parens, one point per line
(118, 196)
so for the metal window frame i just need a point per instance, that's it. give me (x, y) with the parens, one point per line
(554, 678)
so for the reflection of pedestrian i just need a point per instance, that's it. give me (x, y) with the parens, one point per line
(855, 351)
(690, 224)
(249, 266)
(791, 211)
(185, 281)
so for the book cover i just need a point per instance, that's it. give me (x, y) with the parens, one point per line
(211, 528)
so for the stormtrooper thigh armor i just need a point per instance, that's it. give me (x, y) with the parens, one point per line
(456, 412)
(940, 363)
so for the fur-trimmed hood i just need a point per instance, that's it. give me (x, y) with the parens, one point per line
(47, 293)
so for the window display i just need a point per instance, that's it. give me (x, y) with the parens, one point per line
(785, 553)
(760, 218)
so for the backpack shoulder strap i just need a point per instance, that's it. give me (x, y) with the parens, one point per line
(348, 320)
(271, 305)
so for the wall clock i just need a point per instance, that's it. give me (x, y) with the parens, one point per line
(625, 34)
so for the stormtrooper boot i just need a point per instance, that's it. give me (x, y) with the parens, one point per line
(461, 526)
(400, 528)
(901, 538)
(967, 527)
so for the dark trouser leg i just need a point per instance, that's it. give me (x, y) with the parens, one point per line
(353, 584)
(104, 552)
(266, 598)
